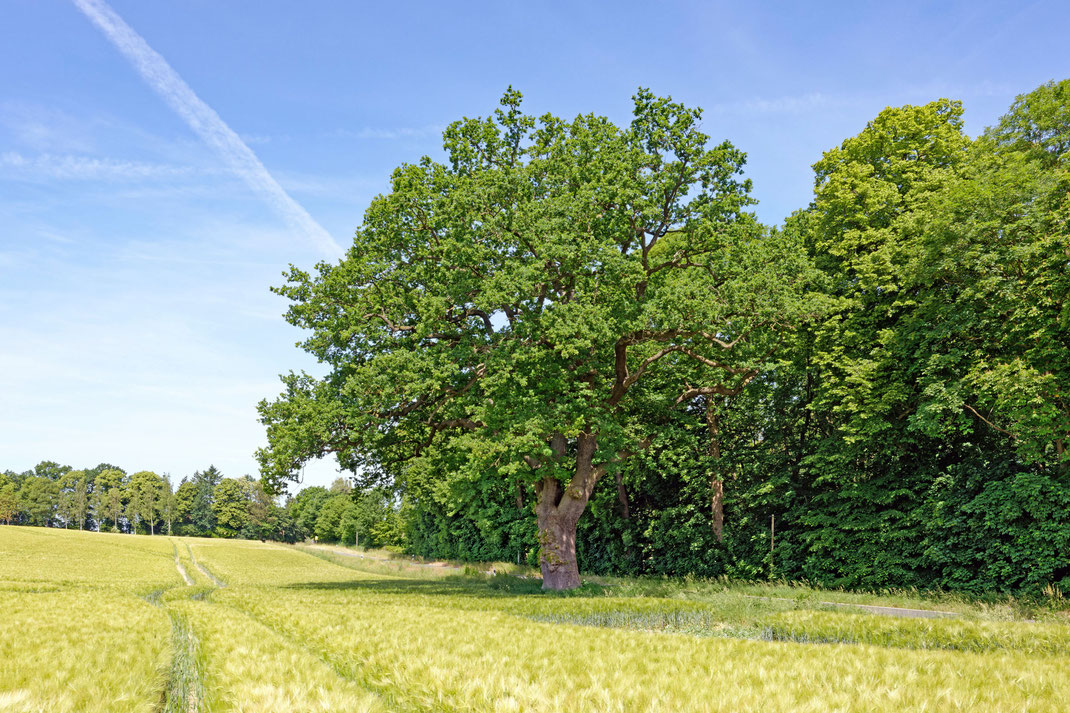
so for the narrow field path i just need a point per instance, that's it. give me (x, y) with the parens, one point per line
(181, 570)
(383, 560)
(204, 570)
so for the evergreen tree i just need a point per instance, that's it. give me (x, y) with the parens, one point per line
(202, 515)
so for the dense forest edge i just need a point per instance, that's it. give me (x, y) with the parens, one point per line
(906, 425)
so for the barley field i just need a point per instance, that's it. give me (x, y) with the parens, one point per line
(104, 622)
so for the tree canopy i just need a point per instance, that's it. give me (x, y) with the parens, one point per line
(501, 313)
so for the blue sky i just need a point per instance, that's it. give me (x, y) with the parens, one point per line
(136, 325)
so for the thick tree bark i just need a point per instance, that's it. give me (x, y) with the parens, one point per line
(717, 509)
(622, 497)
(557, 548)
(558, 510)
(713, 420)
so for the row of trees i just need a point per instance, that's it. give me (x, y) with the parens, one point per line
(106, 498)
(368, 518)
(876, 393)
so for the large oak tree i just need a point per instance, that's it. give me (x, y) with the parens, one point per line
(503, 311)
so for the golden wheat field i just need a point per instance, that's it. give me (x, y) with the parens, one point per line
(104, 622)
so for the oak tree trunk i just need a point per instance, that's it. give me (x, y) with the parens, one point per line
(557, 552)
(558, 509)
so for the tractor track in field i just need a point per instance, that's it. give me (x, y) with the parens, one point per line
(387, 696)
(183, 691)
(181, 570)
(204, 570)
(186, 680)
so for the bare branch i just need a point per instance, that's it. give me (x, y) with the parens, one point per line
(390, 324)
(978, 415)
(624, 379)
(467, 424)
(718, 389)
(711, 362)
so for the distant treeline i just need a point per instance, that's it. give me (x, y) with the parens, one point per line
(206, 504)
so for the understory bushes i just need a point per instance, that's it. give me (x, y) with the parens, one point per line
(967, 519)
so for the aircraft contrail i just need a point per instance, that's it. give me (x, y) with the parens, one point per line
(204, 121)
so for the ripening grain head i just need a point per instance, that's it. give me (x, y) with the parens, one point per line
(250, 668)
(293, 632)
(81, 650)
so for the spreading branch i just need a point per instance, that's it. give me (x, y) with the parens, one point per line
(978, 415)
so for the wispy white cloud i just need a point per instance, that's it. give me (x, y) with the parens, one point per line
(204, 121)
(47, 129)
(158, 348)
(935, 90)
(83, 168)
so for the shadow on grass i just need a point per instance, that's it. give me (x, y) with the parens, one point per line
(457, 586)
